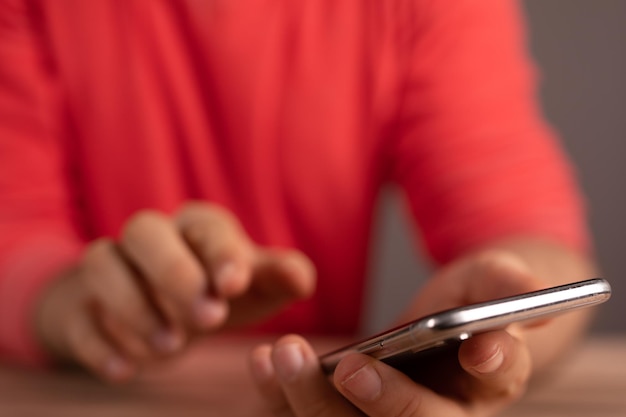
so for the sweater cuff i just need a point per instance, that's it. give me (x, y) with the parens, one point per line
(23, 277)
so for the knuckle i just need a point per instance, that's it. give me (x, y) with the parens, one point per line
(207, 215)
(98, 258)
(95, 262)
(210, 245)
(98, 252)
(141, 221)
(189, 210)
(197, 234)
(195, 209)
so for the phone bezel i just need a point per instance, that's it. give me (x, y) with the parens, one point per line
(463, 322)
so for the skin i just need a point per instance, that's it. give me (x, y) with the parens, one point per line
(490, 371)
(167, 280)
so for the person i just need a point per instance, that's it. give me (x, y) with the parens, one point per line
(173, 169)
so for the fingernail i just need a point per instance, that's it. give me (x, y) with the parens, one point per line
(117, 368)
(288, 361)
(492, 364)
(364, 384)
(209, 312)
(167, 341)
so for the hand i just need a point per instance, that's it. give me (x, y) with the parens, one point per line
(167, 280)
(489, 372)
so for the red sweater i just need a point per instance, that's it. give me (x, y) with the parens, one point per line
(291, 113)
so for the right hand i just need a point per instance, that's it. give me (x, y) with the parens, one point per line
(131, 302)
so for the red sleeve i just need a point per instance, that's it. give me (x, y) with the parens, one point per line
(473, 154)
(37, 236)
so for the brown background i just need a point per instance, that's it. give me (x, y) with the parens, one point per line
(580, 48)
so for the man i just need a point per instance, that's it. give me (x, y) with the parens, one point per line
(170, 169)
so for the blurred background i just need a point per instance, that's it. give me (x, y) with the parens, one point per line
(579, 48)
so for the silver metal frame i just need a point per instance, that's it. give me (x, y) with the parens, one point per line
(463, 322)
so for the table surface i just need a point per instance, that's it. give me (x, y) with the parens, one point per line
(591, 381)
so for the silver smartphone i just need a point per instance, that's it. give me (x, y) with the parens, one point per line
(458, 324)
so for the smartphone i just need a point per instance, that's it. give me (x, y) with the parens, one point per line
(452, 326)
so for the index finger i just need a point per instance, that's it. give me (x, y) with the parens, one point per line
(173, 275)
(221, 245)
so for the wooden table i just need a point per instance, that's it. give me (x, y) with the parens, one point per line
(591, 383)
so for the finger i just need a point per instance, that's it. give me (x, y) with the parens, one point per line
(171, 271)
(499, 364)
(306, 388)
(485, 276)
(221, 244)
(115, 285)
(266, 381)
(280, 276)
(123, 339)
(293, 270)
(476, 278)
(380, 391)
(498, 274)
(495, 274)
(89, 348)
(130, 345)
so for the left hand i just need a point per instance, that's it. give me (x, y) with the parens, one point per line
(490, 372)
